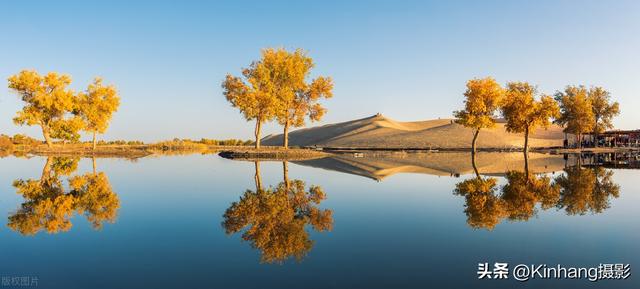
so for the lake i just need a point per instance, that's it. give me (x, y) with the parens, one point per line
(393, 221)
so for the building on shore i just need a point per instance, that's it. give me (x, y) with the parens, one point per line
(611, 138)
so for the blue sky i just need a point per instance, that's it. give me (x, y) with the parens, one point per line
(406, 59)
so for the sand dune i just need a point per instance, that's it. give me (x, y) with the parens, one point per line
(381, 132)
(378, 166)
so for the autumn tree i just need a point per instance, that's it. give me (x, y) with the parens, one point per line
(275, 219)
(584, 190)
(95, 198)
(96, 107)
(524, 113)
(297, 98)
(517, 202)
(482, 100)
(483, 207)
(603, 110)
(48, 103)
(576, 111)
(49, 206)
(254, 95)
(524, 191)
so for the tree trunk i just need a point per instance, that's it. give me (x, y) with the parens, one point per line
(595, 139)
(257, 177)
(257, 132)
(47, 138)
(46, 170)
(473, 164)
(526, 166)
(580, 140)
(526, 141)
(473, 142)
(285, 174)
(94, 140)
(286, 135)
(93, 162)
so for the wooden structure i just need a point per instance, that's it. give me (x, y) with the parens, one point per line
(612, 138)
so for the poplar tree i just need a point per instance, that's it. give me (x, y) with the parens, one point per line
(603, 110)
(482, 100)
(524, 113)
(48, 103)
(96, 107)
(576, 111)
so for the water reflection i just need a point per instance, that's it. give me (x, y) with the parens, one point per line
(584, 190)
(579, 190)
(274, 219)
(49, 205)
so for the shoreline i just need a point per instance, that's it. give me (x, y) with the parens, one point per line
(275, 154)
(266, 152)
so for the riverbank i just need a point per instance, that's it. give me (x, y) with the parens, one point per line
(272, 153)
(111, 150)
(250, 153)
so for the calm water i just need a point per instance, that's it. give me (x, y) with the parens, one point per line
(201, 221)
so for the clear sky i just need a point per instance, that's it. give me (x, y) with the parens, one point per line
(406, 59)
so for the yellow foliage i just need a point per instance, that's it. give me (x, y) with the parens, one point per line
(48, 206)
(275, 219)
(97, 105)
(482, 98)
(484, 209)
(58, 110)
(576, 111)
(276, 87)
(586, 190)
(47, 100)
(603, 110)
(523, 113)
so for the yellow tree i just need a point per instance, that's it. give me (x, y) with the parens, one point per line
(297, 98)
(95, 198)
(275, 219)
(48, 102)
(603, 110)
(254, 96)
(523, 113)
(524, 191)
(49, 206)
(67, 129)
(483, 98)
(576, 111)
(96, 107)
(484, 209)
(584, 190)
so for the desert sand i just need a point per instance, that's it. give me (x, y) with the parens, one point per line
(379, 131)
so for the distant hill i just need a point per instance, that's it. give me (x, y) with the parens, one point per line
(381, 132)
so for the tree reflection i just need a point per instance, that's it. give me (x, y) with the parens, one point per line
(275, 218)
(49, 205)
(586, 190)
(578, 191)
(524, 191)
(483, 208)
